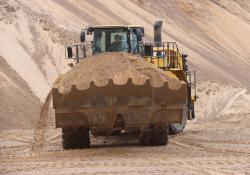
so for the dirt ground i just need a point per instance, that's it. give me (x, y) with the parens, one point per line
(221, 147)
(213, 145)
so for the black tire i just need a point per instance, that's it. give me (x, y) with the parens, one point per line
(75, 138)
(176, 128)
(154, 136)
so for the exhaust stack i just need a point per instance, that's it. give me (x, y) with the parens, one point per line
(157, 33)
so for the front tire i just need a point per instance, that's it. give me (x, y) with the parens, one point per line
(154, 136)
(75, 138)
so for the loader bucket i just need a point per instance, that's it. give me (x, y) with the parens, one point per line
(112, 95)
(94, 93)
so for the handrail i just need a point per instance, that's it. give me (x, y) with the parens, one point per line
(167, 53)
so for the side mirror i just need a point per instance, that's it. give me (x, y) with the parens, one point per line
(148, 50)
(82, 36)
(90, 30)
(69, 52)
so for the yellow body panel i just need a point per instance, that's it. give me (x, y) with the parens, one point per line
(171, 58)
(170, 61)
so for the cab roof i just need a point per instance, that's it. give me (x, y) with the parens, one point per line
(114, 26)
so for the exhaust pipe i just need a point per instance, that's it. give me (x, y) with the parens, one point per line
(157, 33)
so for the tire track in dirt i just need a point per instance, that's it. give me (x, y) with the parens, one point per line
(200, 146)
(111, 165)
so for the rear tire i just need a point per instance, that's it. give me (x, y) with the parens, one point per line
(176, 128)
(154, 136)
(75, 138)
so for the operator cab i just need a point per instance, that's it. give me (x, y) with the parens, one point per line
(116, 38)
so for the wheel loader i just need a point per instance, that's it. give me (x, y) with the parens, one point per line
(136, 106)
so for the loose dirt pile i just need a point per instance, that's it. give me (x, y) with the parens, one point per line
(42, 125)
(116, 66)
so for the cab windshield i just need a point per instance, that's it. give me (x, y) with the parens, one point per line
(113, 40)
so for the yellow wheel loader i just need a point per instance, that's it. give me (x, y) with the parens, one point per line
(121, 85)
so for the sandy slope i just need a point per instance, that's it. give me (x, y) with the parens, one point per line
(32, 47)
(16, 96)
